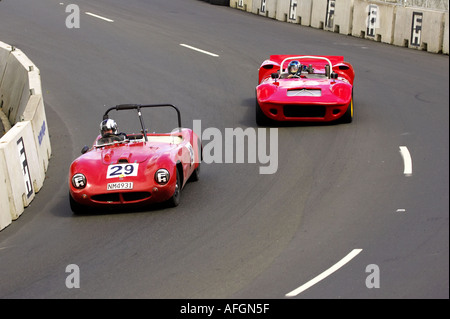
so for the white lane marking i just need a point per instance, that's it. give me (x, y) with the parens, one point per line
(401, 210)
(99, 17)
(407, 160)
(199, 50)
(325, 274)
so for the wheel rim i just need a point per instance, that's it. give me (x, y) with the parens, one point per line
(351, 108)
(176, 193)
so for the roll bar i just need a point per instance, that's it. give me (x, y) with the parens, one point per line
(138, 108)
(308, 57)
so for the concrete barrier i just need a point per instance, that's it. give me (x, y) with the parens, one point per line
(35, 113)
(339, 16)
(265, 8)
(419, 29)
(446, 35)
(245, 5)
(5, 50)
(373, 20)
(5, 216)
(319, 14)
(411, 24)
(19, 153)
(21, 79)
(294, 11)
(25, 148)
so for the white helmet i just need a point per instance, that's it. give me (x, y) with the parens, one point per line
(108, 124)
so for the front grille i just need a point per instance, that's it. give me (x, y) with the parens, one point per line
(126, 197)
(304, 110)
(107, 198)
(129, 197)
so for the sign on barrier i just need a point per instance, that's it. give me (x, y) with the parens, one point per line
(416, 28)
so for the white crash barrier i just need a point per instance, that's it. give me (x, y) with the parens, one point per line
(318, 14)
(339, 17)
(373, 20)
(18, 151)
(245, 5)
(265, 8)
(13, 86)
(388, 21)
(35, 113)
(5, 50)
(411, 32)
(5, 216)
(295, 11)
(446, 35)
(21, 79)
(25, 149)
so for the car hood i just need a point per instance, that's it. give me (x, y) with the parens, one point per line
(124, 154)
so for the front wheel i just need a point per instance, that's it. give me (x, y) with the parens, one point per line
(175, 199)
(348, 115)
(75, 206)
(261, 118)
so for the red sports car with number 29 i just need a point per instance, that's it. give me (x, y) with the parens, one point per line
(135, 169)
(305, 88)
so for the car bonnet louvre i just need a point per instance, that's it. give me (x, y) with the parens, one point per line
(305, 92)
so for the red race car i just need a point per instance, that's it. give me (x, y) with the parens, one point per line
(134, 169)
(304, 88)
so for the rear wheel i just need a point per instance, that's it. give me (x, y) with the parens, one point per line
(196, 174)
(175, 199)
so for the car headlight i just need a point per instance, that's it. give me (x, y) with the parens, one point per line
(162, 176)
(79, 181)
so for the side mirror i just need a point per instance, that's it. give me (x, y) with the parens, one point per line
(274, 75)
(84, 149)
(334, 75)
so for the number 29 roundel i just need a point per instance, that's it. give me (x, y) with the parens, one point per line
(122, 170)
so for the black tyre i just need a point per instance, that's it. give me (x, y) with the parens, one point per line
(175, 199)
(348, 115)
(261, 118)
(196, 174)
(75, 206)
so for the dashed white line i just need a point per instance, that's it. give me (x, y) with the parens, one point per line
(325, 274)
(199, 50)
(99, 17)
(407, 160)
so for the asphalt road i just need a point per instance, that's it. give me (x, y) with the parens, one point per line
(337, 189)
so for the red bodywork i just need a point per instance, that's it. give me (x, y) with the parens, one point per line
(134, 162)
(317, 95)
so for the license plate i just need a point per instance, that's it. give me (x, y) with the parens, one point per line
(119, 185)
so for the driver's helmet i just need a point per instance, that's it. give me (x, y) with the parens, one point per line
(293, 67)
(108, 124)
